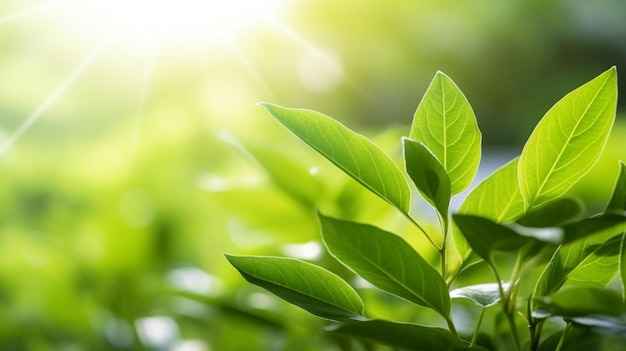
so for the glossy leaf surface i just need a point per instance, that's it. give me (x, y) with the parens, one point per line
(593, 259)
(582, 301)
(310, 287)
(486, 236)
(484, 295)
(568, 140)
(617, 204)
(428, 174)
(497, 197)
(387, 261)
(351, 152)
(445, 123)
(552, 214)
(403, 335)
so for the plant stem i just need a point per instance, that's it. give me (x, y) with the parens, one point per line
(444, 239)
(451, 325)
(563, 335)
(478, 323)
(506, 307)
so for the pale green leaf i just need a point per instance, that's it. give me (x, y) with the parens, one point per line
(445, 123)
(351, 152)
(568, 140)
(497, 197)
(484, 295)
(403, 335)
(310, 287)
(387, 261)
(591, 260)
(428, 174)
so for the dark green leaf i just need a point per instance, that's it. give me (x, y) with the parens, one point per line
(618, 200)
(618, 205)
(428, 174)
(308, 286)
(486, 236)
(604, 226)
(484, 295)
(607, 324)
(578, 339)
(445, 123)
(402, 335)
(386, 261)
(353, 153)
(581, 302)
(552, 214)
(568, 140)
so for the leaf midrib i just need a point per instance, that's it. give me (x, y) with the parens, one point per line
(560, 154)
(391, 277)
(333, 303)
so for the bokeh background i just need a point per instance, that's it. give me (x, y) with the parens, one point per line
(132, 154)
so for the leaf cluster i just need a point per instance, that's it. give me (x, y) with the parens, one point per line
(520, 211)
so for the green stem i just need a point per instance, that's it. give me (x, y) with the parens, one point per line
(563, 335)
(535, 326)
(480, 320)
(451, 325)
(443, 222)
(506, 308)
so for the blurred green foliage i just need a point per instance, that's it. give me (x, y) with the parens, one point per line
(117, 201)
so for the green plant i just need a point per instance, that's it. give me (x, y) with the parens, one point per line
(518, 221)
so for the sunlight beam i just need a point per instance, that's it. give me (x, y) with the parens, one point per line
(50, 99)
(240, 55)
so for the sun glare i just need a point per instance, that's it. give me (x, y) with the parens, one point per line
(172, 21)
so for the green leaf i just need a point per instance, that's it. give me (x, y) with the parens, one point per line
(402, 335)
(387, 261)
(486, 236)
(578, 339)
(591, 261)
(618, 199)
(310, 287)
(606, 226)
(552, 214)
(606, 324)
(351, 152)
(484, 295)
(428, 174)
(618, 205)
(582, 301)
(622, 265)
(497, 197)
(568, 140)
(445, 123)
